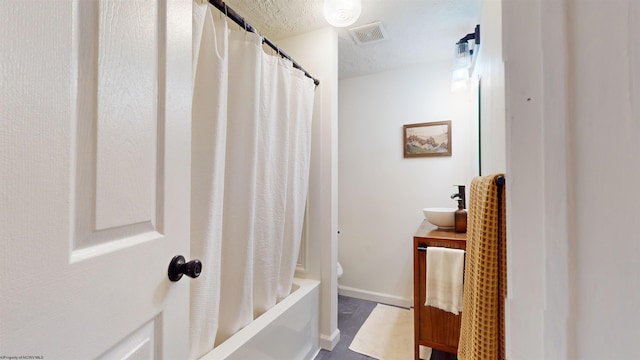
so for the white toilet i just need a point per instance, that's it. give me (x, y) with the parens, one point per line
(339, 270)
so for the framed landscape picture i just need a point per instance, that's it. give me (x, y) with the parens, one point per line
(427, 139)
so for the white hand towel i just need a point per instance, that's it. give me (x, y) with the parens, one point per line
(445, 272)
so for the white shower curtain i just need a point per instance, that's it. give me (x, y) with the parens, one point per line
(250, 171)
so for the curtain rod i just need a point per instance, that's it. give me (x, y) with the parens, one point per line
(233, 15)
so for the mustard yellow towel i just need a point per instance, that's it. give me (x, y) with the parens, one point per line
(482, 329)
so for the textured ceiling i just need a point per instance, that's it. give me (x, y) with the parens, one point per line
(418, 31)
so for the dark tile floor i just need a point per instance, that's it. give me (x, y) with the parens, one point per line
(352, 313)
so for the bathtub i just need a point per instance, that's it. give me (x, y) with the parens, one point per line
(288, 331)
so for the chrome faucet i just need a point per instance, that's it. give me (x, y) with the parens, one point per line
(460, 196)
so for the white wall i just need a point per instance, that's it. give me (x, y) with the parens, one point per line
(573, 107)
(525, 306)
(381, 193)
(490, 69)
(605, 125)
(521, 155)
(317, 52)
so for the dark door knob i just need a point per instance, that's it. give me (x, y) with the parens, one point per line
(178, 267)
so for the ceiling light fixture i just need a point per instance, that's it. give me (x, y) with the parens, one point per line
(341, 13)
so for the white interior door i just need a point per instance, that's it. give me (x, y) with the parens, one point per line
(95, 116)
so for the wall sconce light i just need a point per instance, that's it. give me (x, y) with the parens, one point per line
(463, 58)
(341, 13)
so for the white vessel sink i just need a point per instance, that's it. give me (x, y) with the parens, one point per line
(443, 218)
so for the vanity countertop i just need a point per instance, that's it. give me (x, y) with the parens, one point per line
(428, 230)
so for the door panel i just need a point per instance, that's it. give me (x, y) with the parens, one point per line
(127, 85)
(118, 131)
(138, 346)
(95, 163)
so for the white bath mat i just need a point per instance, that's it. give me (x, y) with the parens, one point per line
(387, 334)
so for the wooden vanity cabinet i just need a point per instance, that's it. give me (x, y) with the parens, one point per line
(434, 328)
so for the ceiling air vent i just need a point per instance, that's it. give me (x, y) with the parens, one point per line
(368, 34)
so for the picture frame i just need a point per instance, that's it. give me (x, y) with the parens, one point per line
(427, 139)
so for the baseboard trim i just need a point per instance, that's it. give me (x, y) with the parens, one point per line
(329, 342)
(375, 296)
(314, 355)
